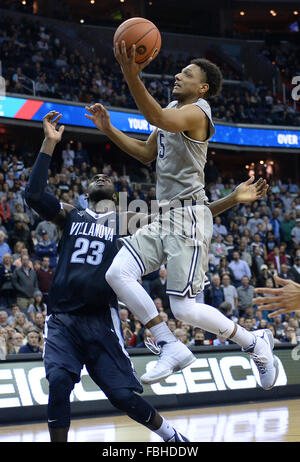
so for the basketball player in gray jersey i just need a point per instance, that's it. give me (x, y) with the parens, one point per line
(180, 235)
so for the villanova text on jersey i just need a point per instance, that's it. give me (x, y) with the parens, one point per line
(92, 229)
(86, 250)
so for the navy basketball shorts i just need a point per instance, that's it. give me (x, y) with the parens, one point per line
(75, 340)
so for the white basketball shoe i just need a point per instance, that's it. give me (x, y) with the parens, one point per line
(173, 357)
(261, 351)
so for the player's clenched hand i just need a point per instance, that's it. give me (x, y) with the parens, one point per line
(50, 122)
(249, 191)
(128, 65)
(100, 116)
(285, 299)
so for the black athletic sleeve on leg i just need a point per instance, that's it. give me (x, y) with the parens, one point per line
(45, 204)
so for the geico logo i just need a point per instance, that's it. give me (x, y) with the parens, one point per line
(31, 387)
(27, 387)
(229, 373)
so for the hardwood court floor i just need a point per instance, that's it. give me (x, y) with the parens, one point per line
(276, 421)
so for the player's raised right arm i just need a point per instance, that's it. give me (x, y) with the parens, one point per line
(144, 151)
(45, 204)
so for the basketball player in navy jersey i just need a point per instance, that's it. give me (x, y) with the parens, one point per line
(83, 326)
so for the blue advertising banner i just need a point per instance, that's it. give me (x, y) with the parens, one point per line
(131, 122)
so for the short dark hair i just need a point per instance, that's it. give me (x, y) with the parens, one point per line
(213, 73)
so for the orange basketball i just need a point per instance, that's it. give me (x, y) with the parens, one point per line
(141, 32)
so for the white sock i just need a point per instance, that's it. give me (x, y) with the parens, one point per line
(165, 431)
(209, 319)
(162, 333)
(243, 337)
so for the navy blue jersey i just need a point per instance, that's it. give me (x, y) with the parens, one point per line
(86, 251)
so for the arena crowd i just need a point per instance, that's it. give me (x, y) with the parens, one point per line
(251, 243)
(35, 61)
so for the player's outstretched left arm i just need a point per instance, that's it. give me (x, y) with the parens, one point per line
(248, 191)
(173, 120)
(45, 204)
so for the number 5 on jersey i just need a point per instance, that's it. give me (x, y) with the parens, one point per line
(162, 148)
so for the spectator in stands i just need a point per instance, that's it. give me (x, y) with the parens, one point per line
(218, 227)
(7, 296)
(18, 261)
(230, 292)
(257, 262)
(47, 248)
(225, 269)
(21, 324)
(33, 344)
(286, 227)
(20, 233)
(20, 215)
(245, 251)
(181, 335)
(4, 247)
(4, 319)
(51, 229)
(39, 322)
(81, 155)
(63, 184)
(38, 306)
(276, 258)
(284, 272)
(215, 294)
(172, 324)
(5, 212)
(14, 310)
(289, 335)
(68, 156)
(239, 268)
(158, 289)
(158, 303)
(25, 283)
(124, 316)
(17, 342)
(45, 275)
(253, 222)
(3, 343)
(245, 294)
(294, 272)
(295, 233)
(218, 248)
(257, 242)
(278, 326)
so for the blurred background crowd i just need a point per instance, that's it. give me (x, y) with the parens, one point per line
(251, 243)
(36, 60)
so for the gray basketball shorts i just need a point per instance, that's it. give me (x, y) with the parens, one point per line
(180, 239)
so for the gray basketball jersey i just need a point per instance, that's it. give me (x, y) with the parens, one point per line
(180, 162)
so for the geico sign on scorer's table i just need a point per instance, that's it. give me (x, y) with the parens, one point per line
(24, 383)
